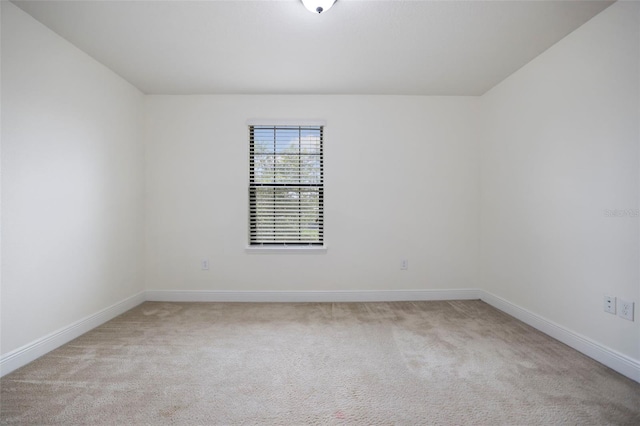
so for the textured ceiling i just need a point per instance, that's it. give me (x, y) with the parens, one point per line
(278, 47)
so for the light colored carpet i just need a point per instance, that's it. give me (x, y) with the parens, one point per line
(404, 363)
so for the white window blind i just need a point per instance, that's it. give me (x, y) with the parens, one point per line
(286, 186)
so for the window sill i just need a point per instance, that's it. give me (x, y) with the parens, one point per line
(286, 250)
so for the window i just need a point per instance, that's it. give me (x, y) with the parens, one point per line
(286, 187)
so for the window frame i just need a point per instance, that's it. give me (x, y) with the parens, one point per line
(283, 247)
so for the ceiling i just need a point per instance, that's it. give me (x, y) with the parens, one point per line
(278, 47)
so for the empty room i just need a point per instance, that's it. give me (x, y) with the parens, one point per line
(320, 212)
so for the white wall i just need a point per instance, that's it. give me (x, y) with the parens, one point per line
(72, 182)
(561, 147)
(401, 176)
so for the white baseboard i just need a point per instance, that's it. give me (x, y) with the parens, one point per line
(612, 359)
(310, 296)
(31, 351)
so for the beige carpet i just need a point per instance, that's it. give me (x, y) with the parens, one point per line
(404, 363)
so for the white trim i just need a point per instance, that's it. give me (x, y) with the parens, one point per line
(621, 363)
(310, 296)
(31, 351)
(286, 249)
(286, 122)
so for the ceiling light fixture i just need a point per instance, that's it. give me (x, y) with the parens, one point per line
(318, 6)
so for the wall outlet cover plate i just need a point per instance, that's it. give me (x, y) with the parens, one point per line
(625, 309)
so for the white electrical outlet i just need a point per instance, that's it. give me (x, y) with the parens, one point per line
(404, 264)
(204, 264)
(625, 309)
(610, 304)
